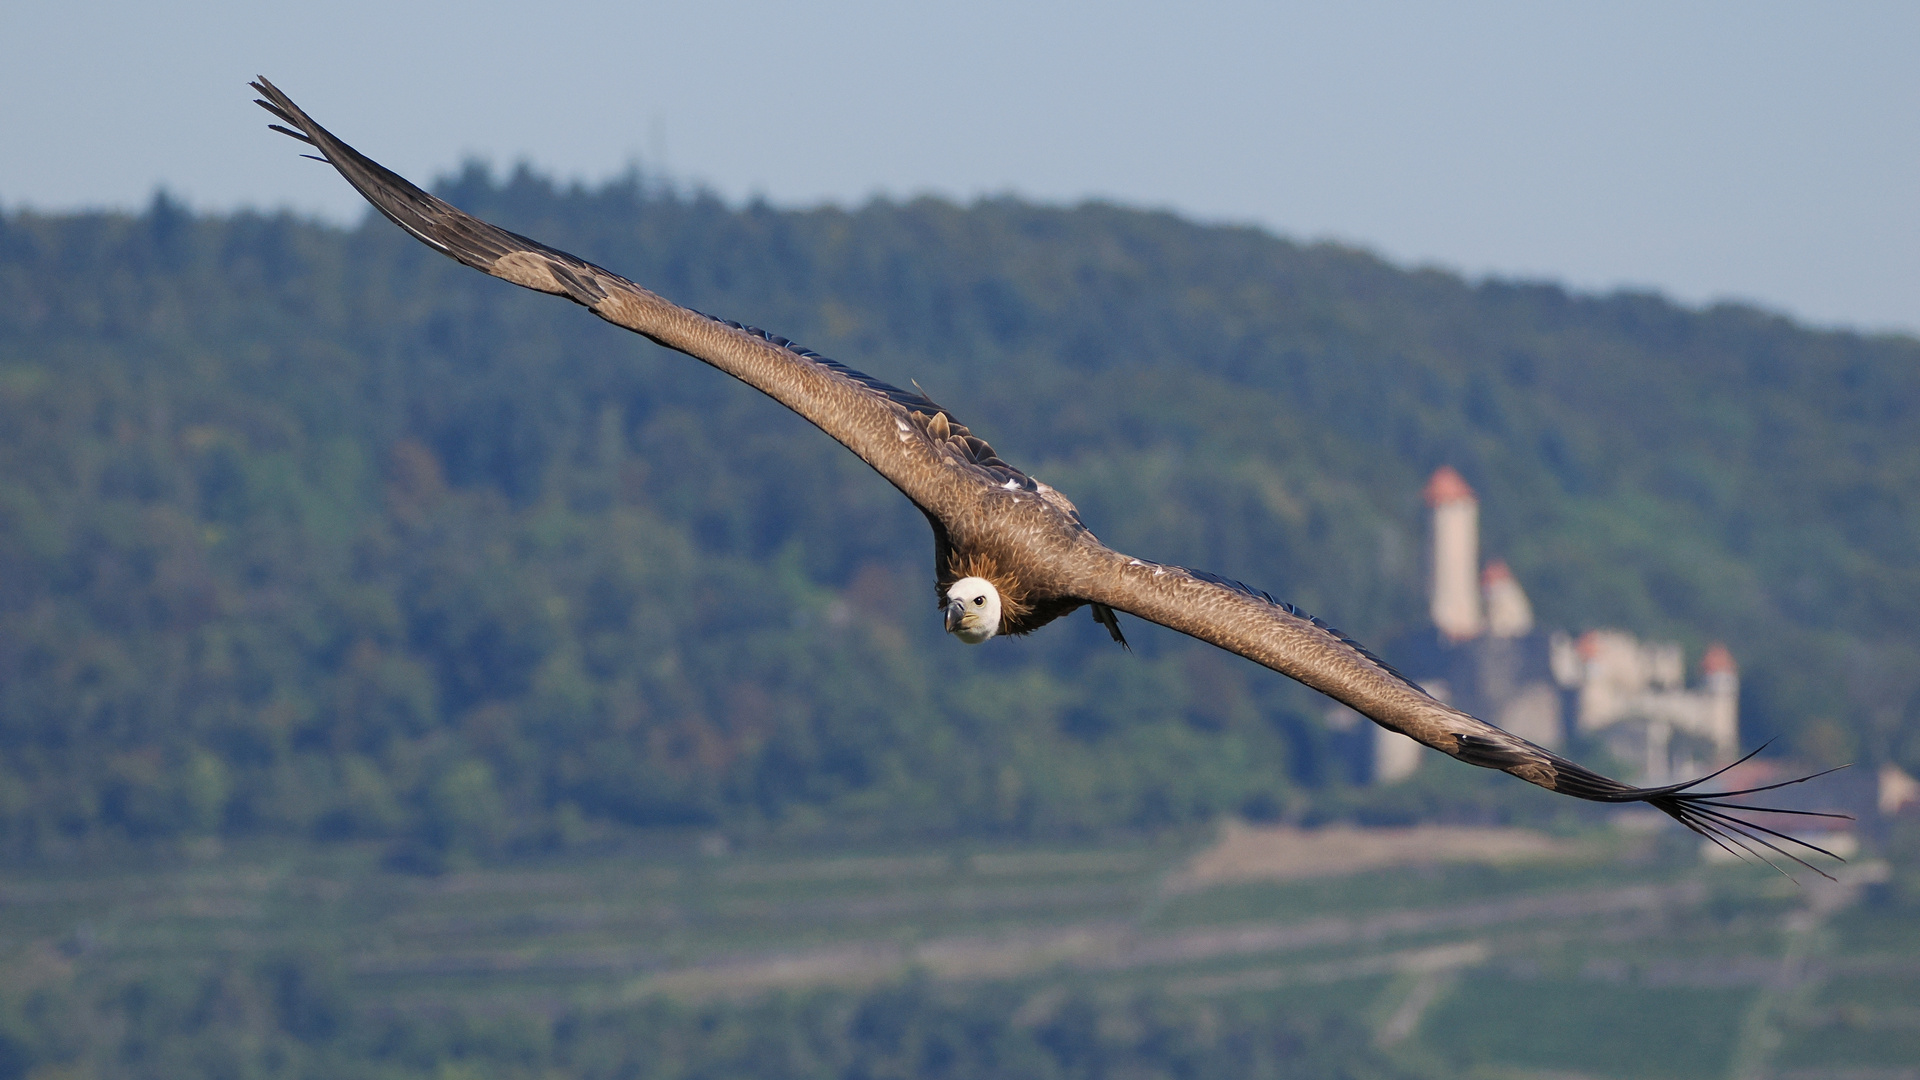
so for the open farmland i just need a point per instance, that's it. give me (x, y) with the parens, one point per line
(1455, 948)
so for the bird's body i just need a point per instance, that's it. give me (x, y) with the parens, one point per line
(1001, 537)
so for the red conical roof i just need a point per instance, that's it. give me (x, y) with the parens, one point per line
(1718, 661)
(1496, 571)
(1446, 486)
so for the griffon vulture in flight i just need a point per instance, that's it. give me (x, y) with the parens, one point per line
(1010, 553)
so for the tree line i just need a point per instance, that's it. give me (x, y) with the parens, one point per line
(310, 531)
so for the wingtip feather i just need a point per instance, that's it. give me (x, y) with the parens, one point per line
(1729, 825)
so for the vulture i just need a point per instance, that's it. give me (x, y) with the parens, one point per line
(1010, 553)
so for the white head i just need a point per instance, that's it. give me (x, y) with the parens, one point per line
(973, 610)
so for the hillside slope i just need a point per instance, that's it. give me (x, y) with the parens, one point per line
(312, 530)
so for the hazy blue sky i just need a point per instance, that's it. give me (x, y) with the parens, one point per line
(1768, 152)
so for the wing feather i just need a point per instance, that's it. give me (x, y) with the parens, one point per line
(913, 442)
(903, 434)
(1253, 624)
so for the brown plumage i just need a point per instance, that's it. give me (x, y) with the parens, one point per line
(1016, 607)
(992, 521)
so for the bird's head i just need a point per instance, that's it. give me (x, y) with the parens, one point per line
(973, 610)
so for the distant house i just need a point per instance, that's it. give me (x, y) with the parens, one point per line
(1484, 654)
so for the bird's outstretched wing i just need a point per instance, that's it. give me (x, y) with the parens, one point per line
(904, 435)
(1249, 622)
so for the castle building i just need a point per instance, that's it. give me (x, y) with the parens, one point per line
(1485, 655)
(1630, 695)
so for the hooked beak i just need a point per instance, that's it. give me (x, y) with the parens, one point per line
(955, 612)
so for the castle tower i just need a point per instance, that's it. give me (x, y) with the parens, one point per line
(1509, 615)
(1722, 678)
(1455, 602)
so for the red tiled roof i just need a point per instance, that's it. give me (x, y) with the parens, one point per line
(1446, 486)
(1719, 661)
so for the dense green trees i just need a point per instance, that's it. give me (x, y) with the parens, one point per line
(292, 1016)
(314, 531)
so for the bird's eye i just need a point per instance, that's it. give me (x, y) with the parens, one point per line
(978, 600)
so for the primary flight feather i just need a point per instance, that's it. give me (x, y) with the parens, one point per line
(1010, 553)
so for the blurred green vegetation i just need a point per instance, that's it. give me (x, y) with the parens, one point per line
(290, 1017)
(1610, 1030)
(1619, 956)
(313, 533)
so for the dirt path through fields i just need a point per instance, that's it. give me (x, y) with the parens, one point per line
(1283, 853)
(1117, 946)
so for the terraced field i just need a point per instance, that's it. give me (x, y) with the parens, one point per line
(1467, 952)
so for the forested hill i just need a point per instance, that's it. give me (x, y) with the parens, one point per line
(314, 532)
